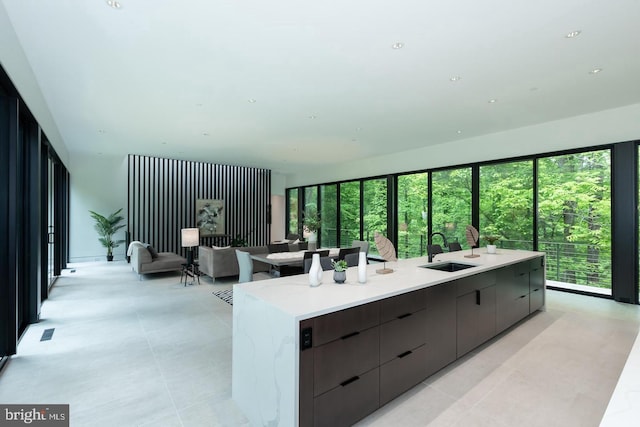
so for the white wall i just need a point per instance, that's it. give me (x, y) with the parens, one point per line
(605, 127)
(15, 63)
(98, 183)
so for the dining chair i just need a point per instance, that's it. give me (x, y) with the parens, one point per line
(352, 259)
(245, 264)
(309, 254)
(362, 244)
(454, 247)
(278, 247)
(344, 251)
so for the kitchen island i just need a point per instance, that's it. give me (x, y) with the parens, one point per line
(333, 354)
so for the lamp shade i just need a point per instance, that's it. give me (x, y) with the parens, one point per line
(190, 237)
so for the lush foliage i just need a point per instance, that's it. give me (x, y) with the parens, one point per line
(107, 226)
(573, 207)
(340, 265)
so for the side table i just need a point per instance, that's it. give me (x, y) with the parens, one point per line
(190, 270)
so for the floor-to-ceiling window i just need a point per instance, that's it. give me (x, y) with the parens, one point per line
(292, 209)
(574, 219)
(413, 193)
(451, 204)
(506, 203)
(329, 215)
(374, 210)
(349, 212)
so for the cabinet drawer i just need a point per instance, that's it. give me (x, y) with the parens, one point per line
(401, 305)
(479, 281)
(402, 373)
(400, 335)
(345, 322)
(536, 299)
(348, 403)
(342, 359)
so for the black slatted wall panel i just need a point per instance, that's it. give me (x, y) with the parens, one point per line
(163, 193)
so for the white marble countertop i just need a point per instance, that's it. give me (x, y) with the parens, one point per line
(625, 401)
(294, 297)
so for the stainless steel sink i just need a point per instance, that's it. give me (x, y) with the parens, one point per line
(448, 266)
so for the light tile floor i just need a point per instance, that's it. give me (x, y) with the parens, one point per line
(127, 352)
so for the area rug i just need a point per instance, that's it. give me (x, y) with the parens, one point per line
(225, 295)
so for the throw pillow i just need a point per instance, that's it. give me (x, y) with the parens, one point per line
(152, 251)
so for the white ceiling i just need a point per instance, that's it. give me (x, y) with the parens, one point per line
(176, 78)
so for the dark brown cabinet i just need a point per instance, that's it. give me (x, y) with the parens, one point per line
(353, 361)
(512, 295)
(403, 354)
(476, 311)
(441, 326)
(339, 366)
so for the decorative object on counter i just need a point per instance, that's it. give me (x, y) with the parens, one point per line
(491, 243)
(315, 271)
(362, 267)
(106, 228)
(339, 270)
(386, 250)
(472, 239)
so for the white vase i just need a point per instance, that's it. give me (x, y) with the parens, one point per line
(315, 271)
(491, 249)
(313, 237)
(362, 267)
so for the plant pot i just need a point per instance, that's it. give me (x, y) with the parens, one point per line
(339, 276)
(109, 257)
(491, 249)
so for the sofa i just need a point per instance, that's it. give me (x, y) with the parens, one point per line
(145, 260)
(222, 262)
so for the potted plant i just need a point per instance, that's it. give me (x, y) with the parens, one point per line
(491, 242)
(106, 228)
(311, 222)
(339, 270)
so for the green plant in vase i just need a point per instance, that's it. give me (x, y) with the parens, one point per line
(107, 226)
(339, 270)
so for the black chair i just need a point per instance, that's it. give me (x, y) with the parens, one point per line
(306, 260)
(352, 259)
(345, 251)
(454, 247)
(278, 247)
(293, 237)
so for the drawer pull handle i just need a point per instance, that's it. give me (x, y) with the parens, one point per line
(522, 296)
(406, 353)
(477, 297)
(352, 334)
(404, 315)
(536, 289)
(349, 381)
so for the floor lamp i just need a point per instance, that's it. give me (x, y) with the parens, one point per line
(190, 239)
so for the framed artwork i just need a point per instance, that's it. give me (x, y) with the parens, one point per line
(210, 217)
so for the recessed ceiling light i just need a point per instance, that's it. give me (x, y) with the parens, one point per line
(397, 45)
(595, 71)
(101, 131)
(459, 132)
(205, 134)
(573, 34)
(493, 101)
(455, 78)
(312, 117)
(252, 101)
(114, 4)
